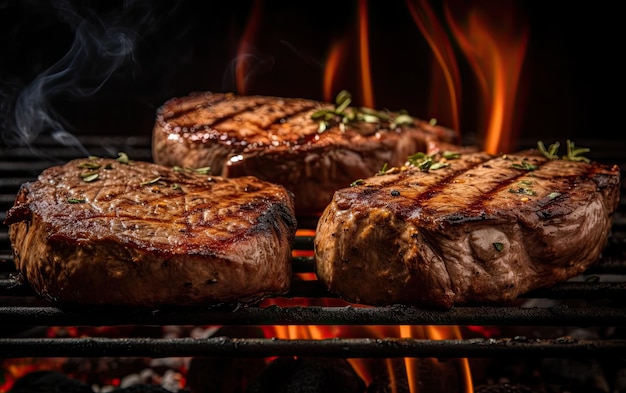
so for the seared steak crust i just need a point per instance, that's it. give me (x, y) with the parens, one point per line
(142, 234)
(276, 140)
(483, 229)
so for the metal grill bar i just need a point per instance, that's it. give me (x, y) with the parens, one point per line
(559, 315)
(345, 348)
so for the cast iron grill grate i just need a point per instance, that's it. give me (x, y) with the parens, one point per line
(593, 299)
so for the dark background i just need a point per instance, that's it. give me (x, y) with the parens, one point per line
(105, 67)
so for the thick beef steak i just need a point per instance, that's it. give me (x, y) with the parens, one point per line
(475, 228)
(118, 232)
(311, 148)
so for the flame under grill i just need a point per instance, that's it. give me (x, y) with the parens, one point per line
(580, 302)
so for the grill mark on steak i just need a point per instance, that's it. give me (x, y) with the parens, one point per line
(257, 114)
(420, 190)
(132, 238)
(277, 140)
(458, 234)
(499, 177)
(438, 186)
(184, 110)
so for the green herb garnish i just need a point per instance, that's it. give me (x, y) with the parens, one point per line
(145, 183)
(524, 166)
(420, 160)
(439, 165)
(573, 153)
(450, 155)
(357, 182)
(523, 191)
(88, 165)
(551, 152)
(90, 176)
(344, 114)
(76, 200)
(203, 171)
(122, 158)
(425, 162)
(383, 170)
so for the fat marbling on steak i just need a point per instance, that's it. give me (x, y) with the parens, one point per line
(119, 232)
(477, 228)
(280, 140)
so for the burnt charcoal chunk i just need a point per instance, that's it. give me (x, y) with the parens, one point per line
(49, 382)
(223, 374)
(308, 375)
(142, 388)
(576, 375)
(506, 388)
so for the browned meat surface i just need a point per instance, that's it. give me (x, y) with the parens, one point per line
(276, 139)
(483, 229)
(99, 231)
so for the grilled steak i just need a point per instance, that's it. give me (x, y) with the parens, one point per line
(480, 230)
(279, 140)
(101, 231)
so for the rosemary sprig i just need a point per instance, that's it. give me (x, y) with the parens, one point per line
(573, 153)
(524, 166)
(523, 191)
(145, 183)
(202, 171)
(426, 162)
(344, 114)
(357, 182)
(122, 158)
(421, 160)
(382, 170)
(89, 176)
(551, 152)
(89, 165)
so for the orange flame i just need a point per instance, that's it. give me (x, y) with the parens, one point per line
(494, 41)
(332, 65)
(244, 50)
(367, 369)
(443, 54)
(366, 75)
(337, 54)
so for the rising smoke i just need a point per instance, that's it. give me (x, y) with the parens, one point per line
(102, 47)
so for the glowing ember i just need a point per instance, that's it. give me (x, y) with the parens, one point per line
(16, 368)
